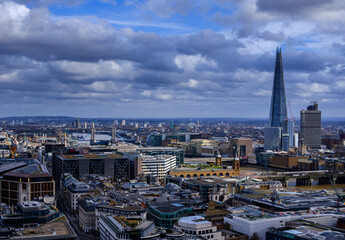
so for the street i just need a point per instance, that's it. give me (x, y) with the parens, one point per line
(74, 223)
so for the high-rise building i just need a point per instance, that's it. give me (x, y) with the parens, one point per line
(77, 123)
(311, 126)
(93, 133)
(288, 131)
(278, 112)
(273, 138)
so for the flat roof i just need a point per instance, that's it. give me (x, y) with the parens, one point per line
(52, 230)
(91, 156)
(27, 175)
(193, 220)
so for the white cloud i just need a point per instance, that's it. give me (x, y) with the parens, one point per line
(191, 83)
(189, 62)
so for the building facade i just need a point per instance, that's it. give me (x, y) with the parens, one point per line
(311, 126)
(244, 147)
(157, 166)
(278, 111)
(198, 226)
(114, 228)
(112, 165)
(18, 187)
(74, 192)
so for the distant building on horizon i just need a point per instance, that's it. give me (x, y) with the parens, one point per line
(311, 126)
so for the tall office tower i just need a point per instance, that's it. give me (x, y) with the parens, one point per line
(123, 123)
(288, 130)
(113, 132)
(93, 133)
(273, 138)
(311, 126)
(77, 123)
(278, 112)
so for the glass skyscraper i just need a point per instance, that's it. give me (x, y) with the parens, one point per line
(274, 138)
(278, 112)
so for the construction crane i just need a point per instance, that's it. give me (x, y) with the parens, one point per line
(12, 144)
(274, 195)
(340, 199)
(13, 147)
(292, 118)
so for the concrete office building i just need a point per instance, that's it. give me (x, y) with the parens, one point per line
(311, 126)
(244, 147)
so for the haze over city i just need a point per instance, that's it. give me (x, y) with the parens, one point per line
(175, 58)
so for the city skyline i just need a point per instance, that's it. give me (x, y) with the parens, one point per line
(168, 59)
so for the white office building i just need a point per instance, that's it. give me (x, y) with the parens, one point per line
(198, 226)
(158, 166)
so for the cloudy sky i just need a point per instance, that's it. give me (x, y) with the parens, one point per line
(169, 58)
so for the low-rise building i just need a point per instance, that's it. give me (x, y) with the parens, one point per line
(252, 221)
(75, 191)
(30, 214)
(285, 161)
(90, 211)
(198, 226)
(166, 214)
(26, 184)
(87, 216)
(304, 232)
(53, 230)
(119, 227)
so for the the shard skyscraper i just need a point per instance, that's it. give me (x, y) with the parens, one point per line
(278, 112)
(275, 132)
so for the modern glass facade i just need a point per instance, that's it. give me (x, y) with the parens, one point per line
(278, 112)
(167, 216)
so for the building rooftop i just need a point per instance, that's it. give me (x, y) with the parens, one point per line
(11, 166)
(32, 206)
(155, 157)
(168, 206)
(53, 230)
(90, 156)
(250, 213)
(308, 232)
(78, 186)
(194, 220)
